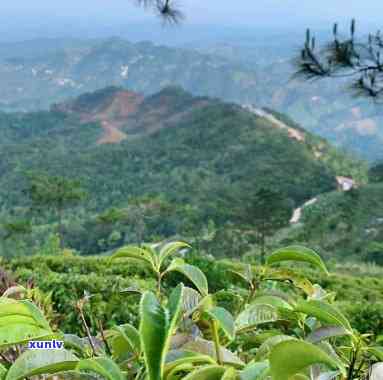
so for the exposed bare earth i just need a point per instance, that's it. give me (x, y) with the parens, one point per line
(111, 135)
(114, 116)
(124, 114)
(292, 132)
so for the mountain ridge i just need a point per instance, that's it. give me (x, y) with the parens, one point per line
(198, 159)
(36, 74)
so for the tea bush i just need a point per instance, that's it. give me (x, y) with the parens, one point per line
(277, 325)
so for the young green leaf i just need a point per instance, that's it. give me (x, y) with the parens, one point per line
(194, 274)
(3, 372)
(230, 374)
(190, 301)
(274, 301)
(39, 362)
(297, 253)
(125, 339)
(185, 357)
(11, 307)
(225, 320)
(212, 372)
(104, 367)
(156, 328)
(170, 249)
(206, 347)
(175, 313)
(266, 347)
(326, 332)
(255, 315)
(246, 274)
(298, 280)
(21, 321)
(324, 312)
(72, 341)
(255, 371)
(136, 253)
(153, 331)
(377, 352)
(292, 356)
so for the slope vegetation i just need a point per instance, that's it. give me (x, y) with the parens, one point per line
(199, 158)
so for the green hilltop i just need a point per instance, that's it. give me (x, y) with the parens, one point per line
(186, 164)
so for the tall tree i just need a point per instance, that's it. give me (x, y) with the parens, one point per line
(361, 61)
(54, 194)
(376, 172)
(268, 210)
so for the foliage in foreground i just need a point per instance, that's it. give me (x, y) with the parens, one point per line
(358, 288)
(183, 334)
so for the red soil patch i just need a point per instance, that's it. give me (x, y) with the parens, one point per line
(126, 103)
(112, 135)
(116, 115)
(112, 116)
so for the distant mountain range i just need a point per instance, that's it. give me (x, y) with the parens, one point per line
(36, 74)
(35, 80)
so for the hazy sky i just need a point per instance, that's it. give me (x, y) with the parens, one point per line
(90, 14)
(212, 11)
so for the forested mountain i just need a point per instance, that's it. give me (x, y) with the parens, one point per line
(328, 108)
(36, 74)
(185, 163)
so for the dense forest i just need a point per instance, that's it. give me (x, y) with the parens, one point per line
(35, 74)
(192, 167)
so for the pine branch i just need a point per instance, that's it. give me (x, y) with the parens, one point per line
(345, 58)
(168, 10)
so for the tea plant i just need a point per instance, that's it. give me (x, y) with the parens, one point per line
(286, 328)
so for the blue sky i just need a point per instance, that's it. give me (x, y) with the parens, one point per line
(245, 12)
(24, 19)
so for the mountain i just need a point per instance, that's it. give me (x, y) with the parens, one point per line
(33, 81)
(195, 158)
(327, 107)
(345, 225)
(38, 73)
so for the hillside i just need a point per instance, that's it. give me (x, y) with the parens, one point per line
(345, 225)
(187, 162)
(328, 107)
(36, 74)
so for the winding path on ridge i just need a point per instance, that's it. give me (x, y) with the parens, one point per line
(292, 132)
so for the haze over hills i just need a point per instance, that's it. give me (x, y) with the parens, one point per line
(35, 81)
(201, 157)
(36, 74)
